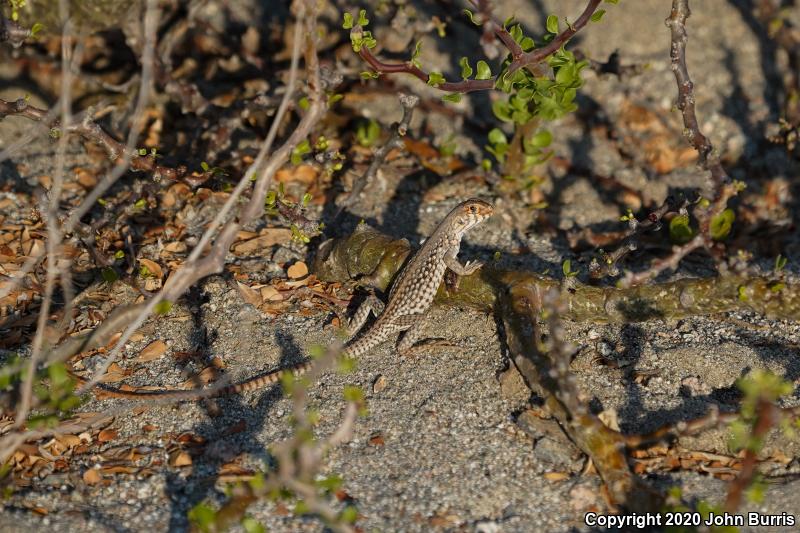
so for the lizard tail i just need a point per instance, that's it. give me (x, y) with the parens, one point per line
(250, 384)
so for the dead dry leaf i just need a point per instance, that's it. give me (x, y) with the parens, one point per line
(152, 351)
(107, 435)
(92, 477)
(180, 458)
(297, 270)
(115, 373)
(272, 237)
(270, 294)
(379, 384)
(248, 294)
(305, 174)
(153, 268)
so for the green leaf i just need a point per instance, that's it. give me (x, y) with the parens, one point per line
(615, 2)
(368, 132)
(203, 515)
(471, 16)
(435, 79)
(163, 307)
(119, 254)
(496, 136)
(679, 229)
(527, 44)
(36, 28)
(109, 275)
(330, 483)
(347, 365)
(780, 262)
(484, 72)
(251, 525)
(204, 166)
(755, 493)
(57, 373)
(349, 514)
(566, 268)
(452, 97)
(415, 55)
(362, 18)
(721, 224)
(299, 235)
(333, 98)
(597, 15)
(369, 75)
(348, 21)
(466, 70)
(541, 139)
(552, 23)
(508, 21)
(353, 393)
(501, 110)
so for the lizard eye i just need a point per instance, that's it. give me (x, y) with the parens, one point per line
(473, 209)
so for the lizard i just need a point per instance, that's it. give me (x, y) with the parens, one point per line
(410, 297)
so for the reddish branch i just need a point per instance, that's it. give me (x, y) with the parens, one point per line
(408, 68)
(519, 59)
(765, 420)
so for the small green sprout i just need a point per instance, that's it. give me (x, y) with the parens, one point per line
(566, 268)
(163, 307)
(367, 132)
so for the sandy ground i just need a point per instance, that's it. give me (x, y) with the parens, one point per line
(453, 453)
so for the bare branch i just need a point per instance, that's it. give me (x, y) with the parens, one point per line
(195, 267)
(394, 142)
(12, 32)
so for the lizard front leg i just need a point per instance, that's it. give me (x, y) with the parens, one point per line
(462, 270)
(372, 304)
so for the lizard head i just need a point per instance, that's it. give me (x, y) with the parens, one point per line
(472, 212)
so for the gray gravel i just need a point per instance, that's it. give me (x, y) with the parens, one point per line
(453, 456)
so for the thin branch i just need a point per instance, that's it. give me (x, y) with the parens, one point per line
(534, 57)
(723, 187)
(607, 265)
(494, 28)
(382, 67)
(549, 376)
(12, 32)
(658, 266)
(765, 420)
(708, 159)
(394, 142)
(519, 59)
(51, 214)
(196, 268)
(87, 128)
